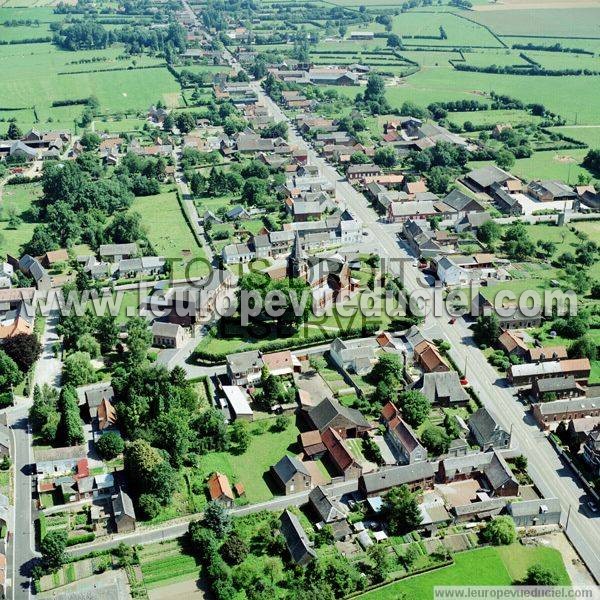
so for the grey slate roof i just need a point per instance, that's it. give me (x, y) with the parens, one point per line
(486, 176)
(438, 386)
(562, 406)
(287, 467)
(296, 539)
(327, 508)
(122, 504)
(394, 476)
(534, 507)
(324, 413)
(555, 384)
(482, 424)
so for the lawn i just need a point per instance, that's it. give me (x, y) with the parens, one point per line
(482, 566)
(250, 468)
(20, 199)
(170, 234)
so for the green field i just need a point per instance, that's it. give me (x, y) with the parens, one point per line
(251, 467)
(483, 566)
(492, 117)
(170, 234)
(564, 165)
(587, 135)
(32, 78)
(18, 198)
(568, 22)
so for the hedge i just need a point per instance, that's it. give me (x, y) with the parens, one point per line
(81, 539)
(283, 344)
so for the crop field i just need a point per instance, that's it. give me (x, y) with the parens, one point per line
(561, 22)
(491, 117)
(166, 562)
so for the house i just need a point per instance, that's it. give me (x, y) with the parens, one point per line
(54, 257)
(556, 388)
(22, 151)
(579, 429)
(32, 268)
(512, 343)
(489, 468)
(339, 455)
(167, 335)
(361, 35)
(296, 540)
(290, 475)
(550, 191)
(115, 253)
(312, 444)
(354, 356)
(548, 353)
(548, 414)
(95, 396)
(509, 319)
(462, 204)
(429, 358)
(363, 173)
(442, 388)
(219, 490)
(400, 437)
(532, 513)
(486, 432)
(123, 512)
(527, 373)
(327, 509)
(281, 363)
(244, 367)
(237, 400)
(591, 451)
(482, 179)
(418, 476)
(329, 413)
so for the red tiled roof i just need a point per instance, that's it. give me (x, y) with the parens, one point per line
(218, 486)
(389, 411)
(83, 469)
(338, 451)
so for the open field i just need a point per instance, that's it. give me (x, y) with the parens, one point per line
(566, 22)
(58, 76)
(18, 198)
(554, 164)
(587, 135)
(483, 566)
(251, 467)
(170, 234)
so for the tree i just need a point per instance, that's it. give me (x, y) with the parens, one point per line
(380, 559)
(359, 158)
(217, 519)
(517, 244)
(148, 471)
(185, 122)
(24, 349)
(592, 161)
(240, 436)
(281, 423)
(149, 506)
(10, 374)
(254, 191)
(14, 132)
(173, 434)
(486, 329)
(584, 347)
(139, 339)
(53, 549)
(439, 179)
(385, 157)
(234, 550)
(401, 509)
(169, 122)
(125, 228)
(415, 407)
(489, 232)
(90, 140)
(520, 462)
(110, 445)
(539, 575)
(70, 425)
(500, 531)
(388, 368)
(211, 430)
(505, 159)
(107, 332)
(87, 343)
(78, 370)
(436, 440)
(394, 41)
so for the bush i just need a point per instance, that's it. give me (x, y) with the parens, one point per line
(81, 539)
(149, 506)
(110, 445)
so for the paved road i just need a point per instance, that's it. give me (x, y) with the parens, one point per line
(550, 475)
(22, 549)
(179, 529)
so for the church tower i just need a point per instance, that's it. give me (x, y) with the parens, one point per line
(297, 266)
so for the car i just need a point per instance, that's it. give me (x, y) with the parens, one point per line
(365, 233)
(452, 321)
(592, 506)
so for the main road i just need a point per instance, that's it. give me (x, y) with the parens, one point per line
(550, 475)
